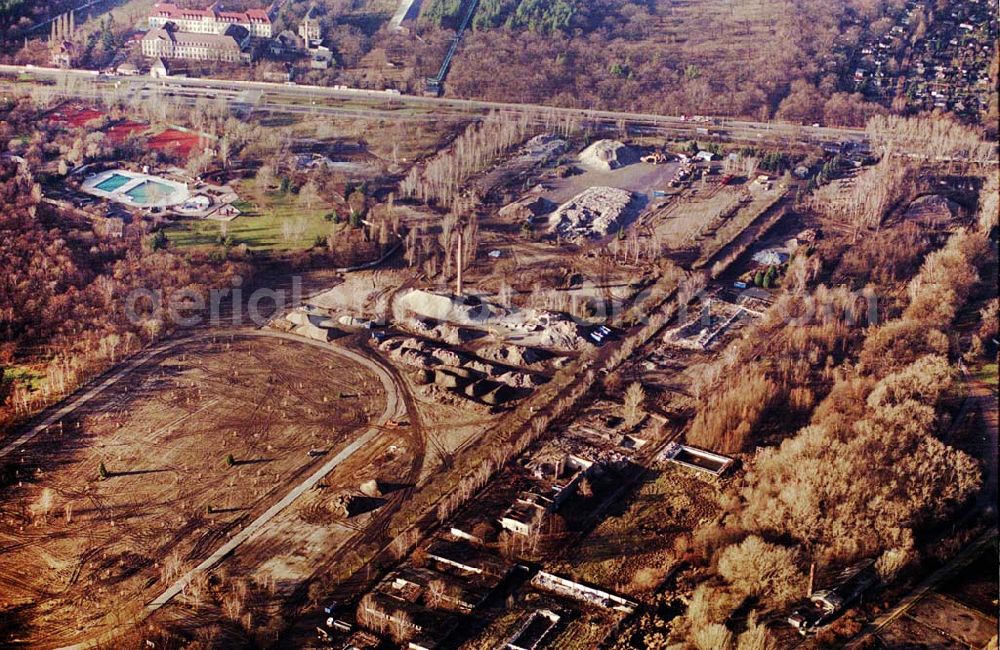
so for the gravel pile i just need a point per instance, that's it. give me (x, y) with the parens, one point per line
(605, 155)
(594, 212)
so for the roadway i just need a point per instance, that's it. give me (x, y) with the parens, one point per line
(277, 97)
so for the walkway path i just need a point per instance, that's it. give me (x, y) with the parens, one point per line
(408, 10)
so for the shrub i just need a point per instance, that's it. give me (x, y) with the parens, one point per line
(715, 636)
(726, 419)
(763, 570)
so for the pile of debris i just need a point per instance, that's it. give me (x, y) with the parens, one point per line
(594, 212)
(444, 307)
(514, 355)
(932, 210)
(527, 208)
(307, 324)
(461, 373)
(605, 155)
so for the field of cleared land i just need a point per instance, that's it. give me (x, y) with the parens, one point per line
(82, 553)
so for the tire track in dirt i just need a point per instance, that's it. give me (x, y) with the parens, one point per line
(394, 408)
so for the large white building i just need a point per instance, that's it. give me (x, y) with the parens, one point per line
(169, 43)
(210, 21)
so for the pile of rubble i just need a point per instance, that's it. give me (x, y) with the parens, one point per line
(444, 307)
(307, 324)
(461, 373)
(527, 208)
(932, 210)
(514, 355)
(605, 155)
(594, 212)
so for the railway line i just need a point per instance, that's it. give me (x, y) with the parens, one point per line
(347, 102)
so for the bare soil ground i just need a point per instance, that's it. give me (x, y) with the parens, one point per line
(960, 613)
(632, 550)
(82, 554)
(639, 177)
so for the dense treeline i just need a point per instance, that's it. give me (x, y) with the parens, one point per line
(63, 290)
(887, 414)
(441, 179)
(534, 15)
(874, 465)
(777, 57)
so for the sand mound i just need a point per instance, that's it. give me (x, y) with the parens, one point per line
(605, 155)
(371, 488)
(594, 212)
(444, 307)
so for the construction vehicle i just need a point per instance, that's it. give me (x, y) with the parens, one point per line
(826, 604)
(656, 158)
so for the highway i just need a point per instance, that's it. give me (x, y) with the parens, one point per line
(277, 97)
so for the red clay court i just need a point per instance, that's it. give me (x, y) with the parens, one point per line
(75, 115)
(176, 141)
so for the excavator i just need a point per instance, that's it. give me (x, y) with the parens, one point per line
(656, 158)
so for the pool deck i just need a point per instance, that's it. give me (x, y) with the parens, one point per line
(121, 192)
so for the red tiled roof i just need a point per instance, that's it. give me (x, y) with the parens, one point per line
(170, 10)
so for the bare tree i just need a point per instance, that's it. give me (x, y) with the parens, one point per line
(635, 399)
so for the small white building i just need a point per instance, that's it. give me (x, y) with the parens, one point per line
(127, 69)
(159, 69)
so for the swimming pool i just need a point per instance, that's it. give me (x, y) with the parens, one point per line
(135, 189)
(112, 183)
(149, 192)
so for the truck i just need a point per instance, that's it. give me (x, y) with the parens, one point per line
(824, 605)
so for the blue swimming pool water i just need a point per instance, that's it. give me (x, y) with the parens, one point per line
(112, 183)
(149, 192)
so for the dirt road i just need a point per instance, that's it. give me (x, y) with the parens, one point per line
(394, 408)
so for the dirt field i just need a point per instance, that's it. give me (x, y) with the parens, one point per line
(640, 177)
(75, 115)
(82, 553)
(960, 613)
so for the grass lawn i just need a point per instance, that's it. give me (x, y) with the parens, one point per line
(987, 373)
(31, 378)
(270, 222)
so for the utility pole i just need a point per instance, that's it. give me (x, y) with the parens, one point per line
(458, 288)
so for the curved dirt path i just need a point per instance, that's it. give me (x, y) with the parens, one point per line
(395, 408)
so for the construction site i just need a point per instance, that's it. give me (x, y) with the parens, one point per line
(307, 452)
(500, 429)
